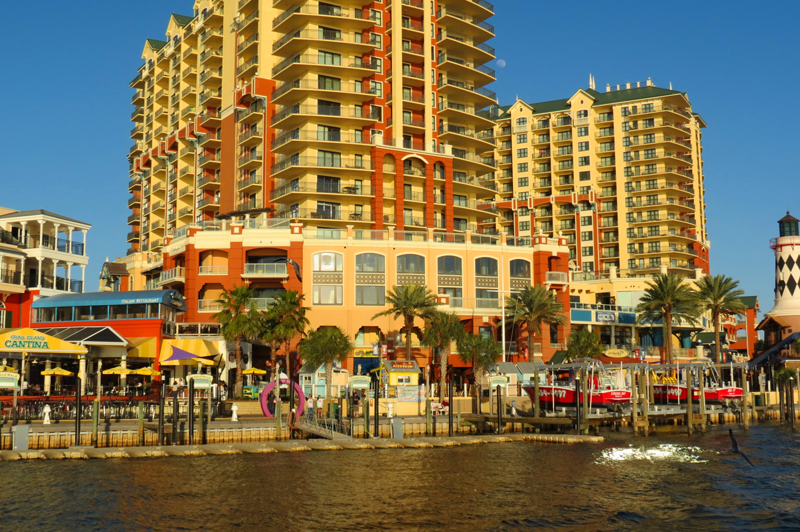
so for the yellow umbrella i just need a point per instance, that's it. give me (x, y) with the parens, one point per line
(119, 370)
(6, 369)
(254, 371)
(60, 372)
(148, 372)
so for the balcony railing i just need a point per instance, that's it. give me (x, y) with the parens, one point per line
(265, 270)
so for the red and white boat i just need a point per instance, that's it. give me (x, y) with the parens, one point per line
(564, 395)
(672, 391)
(606, 389)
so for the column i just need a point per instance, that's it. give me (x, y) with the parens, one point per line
(84, 241)
(55, 235)
(69, 276)
(99, 373)
(23, 233)
(83, 278)
(47, 378)
(39, 281)
(21, 267)
(55, 274)
(123, 379)
(2, 266)
(82, 373)
(69, 242)
(41, 233)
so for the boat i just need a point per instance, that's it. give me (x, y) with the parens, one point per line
(673, 389)
(557, 386)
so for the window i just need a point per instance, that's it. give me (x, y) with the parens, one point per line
(524, 211)
(583, 146)
(586, 236)
(370, 262)
(587, 266)
(650, 154)
(327, 262)
(410, 264)
(329, 58)
(650, 138)
(544, 138)
(522, 121)
(647, 108)
(118, 312)
(370, 295)
(486, 267)
(587, 251)
(586, 220)
(523, 196)
(329, 84)
(655, 262)
(584, 175)
(522, 138)
(583, 161)
(327, 295)
(649, 122)
(522, 182)
(520, 269)
(486, 298)
(522, 153)
(524, 226)
(522, 167)
(449, 265)
(583, 113)
(583, 131)
(584, 190)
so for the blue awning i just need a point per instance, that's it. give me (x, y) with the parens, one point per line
(171, 298)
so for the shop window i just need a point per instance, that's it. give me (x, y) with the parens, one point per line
(47, 314)
(137, 311)
(152, 310)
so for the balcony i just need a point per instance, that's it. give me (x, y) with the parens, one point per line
(208, 202)
(174, 275)
(249, 183)
(355, 189)
(350, 65)
(556, 278)
(251, 159)
(296, 114)
(265, 271)
(213, 270)
(327, 214)
(331, 163)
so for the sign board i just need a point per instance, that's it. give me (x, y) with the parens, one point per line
(401, 365)
(9, 380)
(496, 381)
(360, 382)
(364, 353)
(201, 382)
(384, 350)
(606, 317)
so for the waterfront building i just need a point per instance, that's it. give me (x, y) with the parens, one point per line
(618, 173)
(41, 254)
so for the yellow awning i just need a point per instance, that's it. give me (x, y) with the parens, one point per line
(254, 371)
(146, 347)
(31, 341)
(149, 372)
(188, 352)
(59, 372)
(119, 370)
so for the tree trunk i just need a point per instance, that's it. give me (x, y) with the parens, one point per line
(288, 361)
(668, 336)
(328, 379)
(444, 355)
(717, 344)
(273, 354)
(530, 327)
(239, 377)
(409, 325)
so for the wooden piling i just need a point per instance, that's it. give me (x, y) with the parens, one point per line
(537, 408)
(585, 412)
(140, 416)
(702, 398)
(646, 401)
(634, 403)
(689, 409)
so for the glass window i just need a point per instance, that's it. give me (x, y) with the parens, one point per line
(410, 264)
(522, 167)
(47, 314)
(522, 121)
(486, 267)
(100, 313)
(327, 262)
(583, 131)
(137, 311)
(522, 139)
(370, 295)
(64, 314)
(370, 262)
(522, 182)
(522, 153)
(583, 146)
(327, 295)
(520, 269)
(119, 312)
(152, 310)
(83, 313)
(449, 265)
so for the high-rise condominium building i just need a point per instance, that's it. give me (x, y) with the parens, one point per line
(618, 173)
(351, 112)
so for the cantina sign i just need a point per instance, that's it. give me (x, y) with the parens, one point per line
(19, 341)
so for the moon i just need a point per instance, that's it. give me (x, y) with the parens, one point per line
(501, 63)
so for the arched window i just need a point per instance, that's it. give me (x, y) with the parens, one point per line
(520, 269)
(450, 265)
(371, 263)
(410, 264)
(328, 262)
(486, 267)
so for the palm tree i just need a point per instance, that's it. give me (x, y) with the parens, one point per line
(481, 352)
(238, 320)
(443, 328)
(666, 298)
(583, 343)
(288, 318)
(408, 302)
(533, 306)
(719, 294)
(325, 346)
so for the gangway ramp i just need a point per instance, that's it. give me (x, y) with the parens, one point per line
(326, 428)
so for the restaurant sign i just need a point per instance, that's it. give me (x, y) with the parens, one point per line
(496, 381)
(9, 379)
(399, 365)
(201, 382)
(359, 382)
(22, 341)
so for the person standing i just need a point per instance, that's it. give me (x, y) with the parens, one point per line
(320, 404)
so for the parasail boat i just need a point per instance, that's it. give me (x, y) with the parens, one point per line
(674, 389)
(606, 387)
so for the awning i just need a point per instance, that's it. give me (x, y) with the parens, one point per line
(101, 336)
(32, 341)
(558, 358)
(171, 298)
(529, 368)
(146, 347)
(708, 337)
(188, 352)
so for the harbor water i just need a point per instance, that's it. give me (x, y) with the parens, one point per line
(665, 482)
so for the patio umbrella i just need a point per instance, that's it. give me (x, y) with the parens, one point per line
(147, 372)
(119, 370)
(60, 372)
(254, 371)
(8, 369)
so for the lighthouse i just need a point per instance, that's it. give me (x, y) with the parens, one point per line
(784, 318)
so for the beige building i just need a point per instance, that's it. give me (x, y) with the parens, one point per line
(618, 173)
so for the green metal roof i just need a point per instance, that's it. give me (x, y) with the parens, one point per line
(549, 107)
(558, 357)
(183, 20)
(155, 43)
(750, 301)
(708, 337)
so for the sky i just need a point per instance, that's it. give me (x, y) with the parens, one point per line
(66, 102)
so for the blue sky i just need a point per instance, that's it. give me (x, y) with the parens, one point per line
(67, 67)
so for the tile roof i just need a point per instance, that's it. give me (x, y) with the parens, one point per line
(155, 43)
(183, 20)
(39, 212)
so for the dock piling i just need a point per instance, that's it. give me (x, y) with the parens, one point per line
(95, 420)
(634, 403)
(689, 393)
